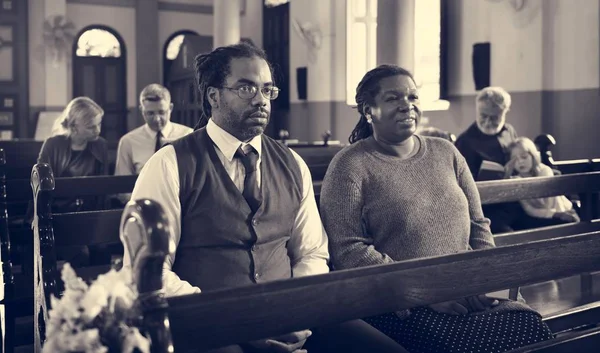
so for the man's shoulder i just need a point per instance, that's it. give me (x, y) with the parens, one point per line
(133, 133)
(180, 129)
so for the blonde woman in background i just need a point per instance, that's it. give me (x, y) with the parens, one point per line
(77, 150)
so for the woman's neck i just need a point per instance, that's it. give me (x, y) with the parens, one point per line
(78, 145)
(402, 150)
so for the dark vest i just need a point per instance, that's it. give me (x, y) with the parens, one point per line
(222, 243)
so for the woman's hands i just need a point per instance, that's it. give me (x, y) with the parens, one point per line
(466, 305)
(288, 343)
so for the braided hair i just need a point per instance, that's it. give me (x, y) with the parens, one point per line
(366, 91)
(213, 68)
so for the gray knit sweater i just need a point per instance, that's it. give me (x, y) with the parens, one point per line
(378, 209)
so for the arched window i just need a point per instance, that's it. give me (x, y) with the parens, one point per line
(171, 50)
(173, 46)
(98, 42)
(100, 72)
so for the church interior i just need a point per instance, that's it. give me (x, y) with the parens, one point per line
(541, 57)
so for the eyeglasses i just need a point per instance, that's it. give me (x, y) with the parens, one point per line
(249, 91)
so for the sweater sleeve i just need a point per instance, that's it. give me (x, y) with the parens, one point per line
(481, 235)
(341, 208)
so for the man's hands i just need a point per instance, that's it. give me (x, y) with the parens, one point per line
(466, 305)
(288, 343)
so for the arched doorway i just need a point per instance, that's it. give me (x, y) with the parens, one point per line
(171, 50)
(99, 72)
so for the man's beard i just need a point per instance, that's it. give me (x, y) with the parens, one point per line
(238, 126)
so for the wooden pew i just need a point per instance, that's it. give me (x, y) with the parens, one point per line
(545, 142)
(22, 154)
(67, 226)
(8, 301)
(246, 313)
(75, 229)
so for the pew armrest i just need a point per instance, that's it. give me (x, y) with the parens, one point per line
(146, 233)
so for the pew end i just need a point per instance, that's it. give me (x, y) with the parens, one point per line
(45, 271)
(146, 232)
(544, 143)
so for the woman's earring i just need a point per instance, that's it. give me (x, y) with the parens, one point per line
(369, 120)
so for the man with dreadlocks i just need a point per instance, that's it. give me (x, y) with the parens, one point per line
(393, 195)
(241, 204)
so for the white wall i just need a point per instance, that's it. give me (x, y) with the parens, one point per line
(549, 45)
(327, 73)
(37, 67)
(571, 53)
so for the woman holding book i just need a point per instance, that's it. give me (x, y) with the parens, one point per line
(393, 195)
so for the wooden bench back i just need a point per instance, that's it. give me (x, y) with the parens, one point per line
(74, 229)
(103, 226)
(21, 155)
(236, 315)
(241, 314)
(5, 243)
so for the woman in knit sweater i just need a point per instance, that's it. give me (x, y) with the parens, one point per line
(392, 196)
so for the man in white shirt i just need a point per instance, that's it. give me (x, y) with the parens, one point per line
(242, 205)
(138, 145)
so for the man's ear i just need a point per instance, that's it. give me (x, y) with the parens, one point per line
(213, 96)
(171, 106)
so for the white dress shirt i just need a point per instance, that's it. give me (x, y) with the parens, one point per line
(137, 146)
(159, 181)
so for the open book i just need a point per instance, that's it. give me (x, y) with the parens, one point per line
(490, 171)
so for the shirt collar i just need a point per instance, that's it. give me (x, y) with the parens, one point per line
(228, 143)
(166, 131)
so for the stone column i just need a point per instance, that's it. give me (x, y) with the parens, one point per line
(396, 33)
(147, 45)
(226, 22)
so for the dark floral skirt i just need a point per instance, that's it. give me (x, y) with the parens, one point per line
(427, 331)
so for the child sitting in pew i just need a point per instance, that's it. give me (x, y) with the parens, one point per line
(525, 162)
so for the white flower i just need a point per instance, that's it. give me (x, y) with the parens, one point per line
(94, 301)
(72, 327)
(134, 339)
(83, 341)
(71, 281)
